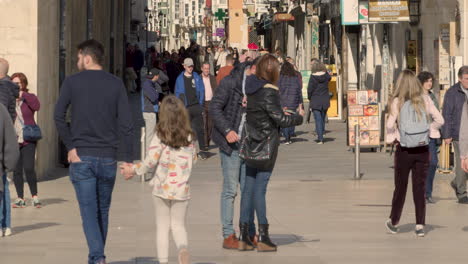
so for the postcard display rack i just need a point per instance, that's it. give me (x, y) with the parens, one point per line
(363, 109)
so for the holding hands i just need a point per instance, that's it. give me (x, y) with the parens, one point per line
(126, 169)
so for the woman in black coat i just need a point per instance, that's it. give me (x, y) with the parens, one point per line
(319, 96)
(264, 118)
(290, 87)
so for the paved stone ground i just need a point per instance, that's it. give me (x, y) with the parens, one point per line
(318, 214)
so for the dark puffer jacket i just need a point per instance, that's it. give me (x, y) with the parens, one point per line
(265, 115)
(226, 108)
(8, 94)
(317, 91)
(454, 100)
(290, 88)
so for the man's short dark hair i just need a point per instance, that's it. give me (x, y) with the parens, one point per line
(229, 58)
(463, 70)
(206, 63)
(94, 49)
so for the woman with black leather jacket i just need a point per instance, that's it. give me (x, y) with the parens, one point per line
(263, 121)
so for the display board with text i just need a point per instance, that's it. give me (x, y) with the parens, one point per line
(363, 109)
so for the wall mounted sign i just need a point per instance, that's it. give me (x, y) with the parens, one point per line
(349, 12)
(388, 11)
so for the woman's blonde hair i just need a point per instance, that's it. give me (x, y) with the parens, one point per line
(173, 128)
(409, 88)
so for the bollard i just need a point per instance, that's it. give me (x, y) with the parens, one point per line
(357, 150)
(143, 149)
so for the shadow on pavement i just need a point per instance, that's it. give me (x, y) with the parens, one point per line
(21, 229)
(287, 239)
(147, 260)
(407, 228)
(138, 260)
(51, 201)
(294, 140)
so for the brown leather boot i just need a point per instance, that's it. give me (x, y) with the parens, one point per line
(231, 242)
(264, 242)
(254, 240)
(245, 243)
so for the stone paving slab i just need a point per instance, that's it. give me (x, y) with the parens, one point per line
(318, 214)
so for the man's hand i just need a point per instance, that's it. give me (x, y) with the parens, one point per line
(126, 169)
(232, 137)
(464, 164)
(448, 141)
(73, 156)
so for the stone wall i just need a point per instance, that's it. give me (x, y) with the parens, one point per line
(29, 37)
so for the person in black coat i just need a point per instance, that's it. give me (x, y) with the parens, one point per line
(319, 96)
(290, 86)
(264, 118)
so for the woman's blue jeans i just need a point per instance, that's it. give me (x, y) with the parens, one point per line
(288, 132)
(319, 116)
(433, 162)
(255, 188)
(5, 204)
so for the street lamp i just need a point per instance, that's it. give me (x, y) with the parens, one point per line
(146, 51)
(160, 14)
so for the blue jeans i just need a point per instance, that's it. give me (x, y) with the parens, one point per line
(288, 132)
(5, 204)
(93, 180)
(433, 161)
(255, 188)
(319, 116)
(233, 173)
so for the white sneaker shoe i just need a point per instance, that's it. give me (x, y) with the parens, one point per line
(7, 232)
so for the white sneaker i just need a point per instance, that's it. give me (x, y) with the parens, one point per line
(7, 232)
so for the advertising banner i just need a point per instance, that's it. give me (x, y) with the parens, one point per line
(349, 12)
(388, 11)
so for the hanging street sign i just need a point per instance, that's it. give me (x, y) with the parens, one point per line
(388, 11)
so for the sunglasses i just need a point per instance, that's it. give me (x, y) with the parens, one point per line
(191, 66)
(17, 83)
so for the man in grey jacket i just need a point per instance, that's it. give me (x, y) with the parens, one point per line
(454, 101)
(9, 150)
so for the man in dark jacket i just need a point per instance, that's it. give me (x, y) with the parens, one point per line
(209, 81)
(9, 150)
(228, 112)
(8, 90)
(454, 100)
(150, 98)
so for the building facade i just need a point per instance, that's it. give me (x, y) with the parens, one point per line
(41, 42)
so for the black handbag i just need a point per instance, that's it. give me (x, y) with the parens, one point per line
(257, 152)
(32, 133)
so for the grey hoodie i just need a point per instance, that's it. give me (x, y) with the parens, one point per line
(9, 148)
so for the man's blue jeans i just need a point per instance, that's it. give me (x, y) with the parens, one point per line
(93, 179)
(234, 173)
(319, 116)
(256, 182)
(5, 204)
(433, 161)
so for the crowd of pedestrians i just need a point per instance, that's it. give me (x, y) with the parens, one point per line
(242, 101)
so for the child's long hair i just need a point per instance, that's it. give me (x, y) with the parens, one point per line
(173, 127)
(409, 88)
